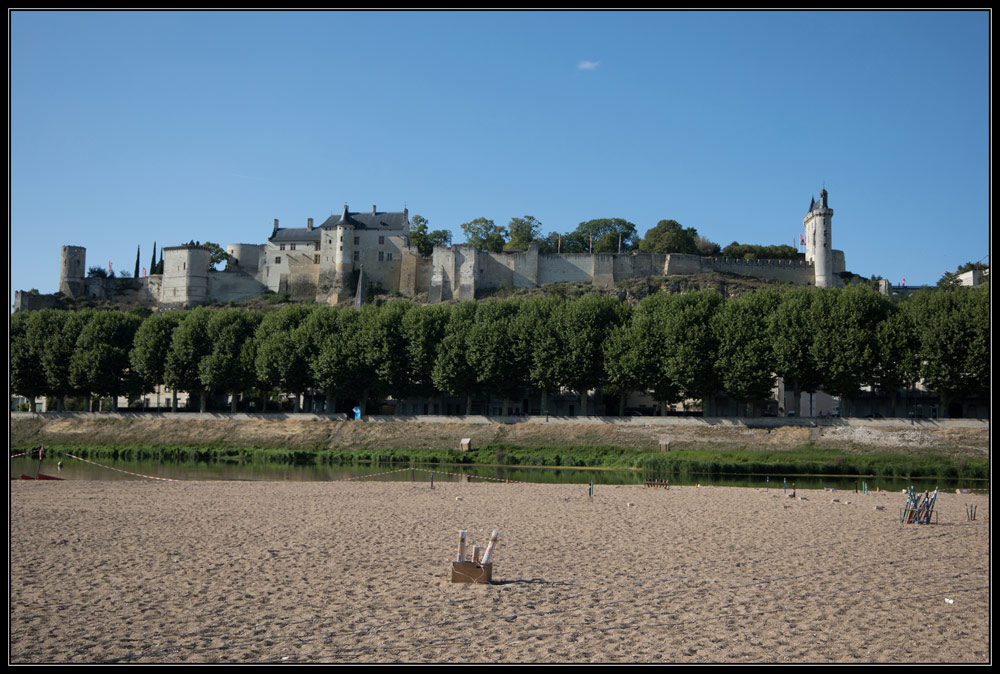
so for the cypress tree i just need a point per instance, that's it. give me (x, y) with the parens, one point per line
(152, 261)
(136, 274)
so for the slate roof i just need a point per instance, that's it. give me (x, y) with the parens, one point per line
(380, 221)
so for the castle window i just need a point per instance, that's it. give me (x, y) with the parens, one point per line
(357, 255)
(317, 245)
(381, 240)
(357, 240)
(388, 257)
(277, 260)
(293, 246)
(282, 247)
(381, 256)
(316, 259)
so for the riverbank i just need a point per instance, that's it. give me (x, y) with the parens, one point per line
(114, 572)
(959, 438)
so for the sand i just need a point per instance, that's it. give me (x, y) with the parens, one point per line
(345, 572)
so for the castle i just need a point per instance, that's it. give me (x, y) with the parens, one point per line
(326, 262)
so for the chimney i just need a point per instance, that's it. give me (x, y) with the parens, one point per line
(275, 227)
(309, 224)
(373, 209)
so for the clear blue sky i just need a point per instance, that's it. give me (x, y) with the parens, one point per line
(129, 128)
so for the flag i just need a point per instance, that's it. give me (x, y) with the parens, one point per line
(144, 272)
(109, 265)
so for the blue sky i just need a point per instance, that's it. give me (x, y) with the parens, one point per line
(129, 128)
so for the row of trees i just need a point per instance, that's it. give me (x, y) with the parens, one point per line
(606, 235)
(676, 346)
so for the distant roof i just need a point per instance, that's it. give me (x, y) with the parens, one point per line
(376, 220)
(370, 220)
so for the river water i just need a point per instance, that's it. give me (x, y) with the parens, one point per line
(73, 469)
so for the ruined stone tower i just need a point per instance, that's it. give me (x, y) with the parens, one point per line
(72, 270)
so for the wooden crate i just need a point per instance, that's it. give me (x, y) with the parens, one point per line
(471, 572)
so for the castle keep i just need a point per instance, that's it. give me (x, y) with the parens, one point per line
(326, 263)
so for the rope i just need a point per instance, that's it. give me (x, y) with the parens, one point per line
(119, 470)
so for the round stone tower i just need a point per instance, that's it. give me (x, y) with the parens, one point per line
(72, 270)
(819, 243)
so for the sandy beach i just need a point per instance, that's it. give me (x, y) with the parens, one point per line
(345, 572)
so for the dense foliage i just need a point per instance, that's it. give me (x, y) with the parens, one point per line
(675, 346)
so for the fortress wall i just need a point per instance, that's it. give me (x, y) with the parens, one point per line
(839, 262)
(303, 275)
(776, 270)
(526, 268)
(604, 269)
(566, 268)
(494, 270)
(678, 264)
(408, 269)
(639, 264)
(425, 270)
(224, 286)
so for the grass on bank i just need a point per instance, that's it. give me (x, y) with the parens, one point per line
(806, 460)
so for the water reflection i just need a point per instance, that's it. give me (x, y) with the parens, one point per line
(72, 469)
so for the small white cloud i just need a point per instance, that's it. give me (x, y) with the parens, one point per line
(588, 65)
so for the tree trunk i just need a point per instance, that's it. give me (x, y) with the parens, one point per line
(331, 403)
(468, 404)
(203, 396)
(173, 401)
(233, 403)
(797, 392)
(296, 406)
(583, 404)
(545, 402)
(621, 404)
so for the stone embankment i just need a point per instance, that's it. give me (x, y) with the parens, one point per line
(959, 437)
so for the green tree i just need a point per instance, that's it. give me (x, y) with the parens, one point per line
(27, 343)
(583, 325)
(150, 348)
(791, 331)
(340, 366)
(229, 366)
(650, 355)
(898, 364)
(64, 327)
(386, 348)
(484, 235)
(218, 254)
(845, 345)
(686, 343)
(745, 364)
(626, 360)
(533, 329)
(100, 364)
(281, 357)
(492, 350)
(423, 328)
(521, 232)
(423, 239)
(668, 236)
(452, 372)
(953, 328)
(607, 234)
(189, 344)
